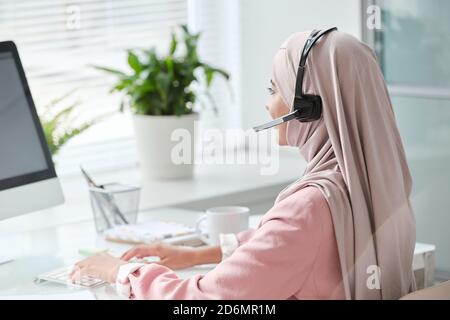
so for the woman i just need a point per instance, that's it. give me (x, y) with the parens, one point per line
(344, 230)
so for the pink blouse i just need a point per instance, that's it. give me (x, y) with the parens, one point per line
(292, 254)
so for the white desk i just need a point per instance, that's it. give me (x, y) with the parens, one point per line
(51, 238)
(212, 185)
(45, 249)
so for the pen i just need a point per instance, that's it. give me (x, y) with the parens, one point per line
(108, 201)
(173, 235)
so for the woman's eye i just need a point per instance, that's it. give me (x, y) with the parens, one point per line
(271, 91)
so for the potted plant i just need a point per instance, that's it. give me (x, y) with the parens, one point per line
(58, 123)
(160, 93)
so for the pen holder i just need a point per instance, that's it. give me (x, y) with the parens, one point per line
(114, 204)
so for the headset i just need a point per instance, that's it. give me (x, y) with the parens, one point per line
(307, 107)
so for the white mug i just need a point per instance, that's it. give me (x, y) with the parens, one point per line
(222, 220)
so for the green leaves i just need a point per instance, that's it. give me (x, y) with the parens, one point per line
(109, 70)
(58, 124)
(163, 85)
(133, 62)
(211, 71)
(173, 44)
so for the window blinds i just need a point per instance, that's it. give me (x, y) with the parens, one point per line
(59, 40)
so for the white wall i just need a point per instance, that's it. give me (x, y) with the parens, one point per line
(266, 24)
(219, 23)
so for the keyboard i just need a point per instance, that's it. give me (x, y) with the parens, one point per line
(62, 276)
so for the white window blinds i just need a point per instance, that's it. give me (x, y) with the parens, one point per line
(60, 40)
(219, 45)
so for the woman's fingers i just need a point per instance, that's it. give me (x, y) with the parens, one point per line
(75, 274)
(134, 253)
(75, 268)
(140, 252)
(129, 254)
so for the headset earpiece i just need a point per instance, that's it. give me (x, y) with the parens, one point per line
(309, 108)
(306, 107)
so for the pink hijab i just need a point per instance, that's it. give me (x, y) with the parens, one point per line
(355, 157)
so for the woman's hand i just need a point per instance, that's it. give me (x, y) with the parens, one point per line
(101, 266)
(173, 257)
(105, 267)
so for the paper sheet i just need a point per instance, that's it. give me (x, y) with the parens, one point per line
(148, 232)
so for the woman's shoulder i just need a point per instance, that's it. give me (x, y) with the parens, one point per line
(307, 203)
(309, 197)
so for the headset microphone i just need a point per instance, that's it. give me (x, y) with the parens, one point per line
(306, 107)
(277, 122)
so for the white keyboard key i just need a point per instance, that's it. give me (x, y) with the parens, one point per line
(62, 276)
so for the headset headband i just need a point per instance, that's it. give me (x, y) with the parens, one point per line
(312, 39)
(306, 108)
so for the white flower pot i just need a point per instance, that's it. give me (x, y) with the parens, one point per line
(159, 141)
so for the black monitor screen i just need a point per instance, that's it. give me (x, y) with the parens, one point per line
(21, 150)
(24, 155)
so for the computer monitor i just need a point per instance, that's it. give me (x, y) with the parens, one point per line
(28, 181)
